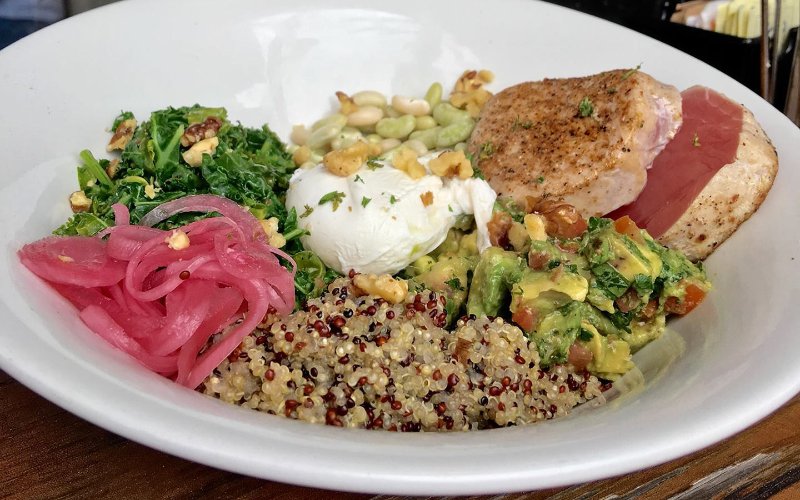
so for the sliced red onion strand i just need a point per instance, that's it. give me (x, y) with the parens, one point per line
(161, 305)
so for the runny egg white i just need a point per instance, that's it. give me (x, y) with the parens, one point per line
(380, 220)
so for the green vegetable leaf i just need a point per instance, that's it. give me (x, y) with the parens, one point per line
(374, 164)
(596, 223)
(393, 199)
(81, 224)
(121, 117)
(609, 281)
(94, 169)
(643, 285)
(199, 114)
(365, 201)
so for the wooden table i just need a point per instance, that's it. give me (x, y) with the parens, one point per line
(46, 452)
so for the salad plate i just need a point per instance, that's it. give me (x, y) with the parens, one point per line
(733, 360)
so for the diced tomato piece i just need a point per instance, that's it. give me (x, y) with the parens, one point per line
(525, 317)
(625, 225)
(579, 356)
(694, 295)
(650, 308)
(628, 301)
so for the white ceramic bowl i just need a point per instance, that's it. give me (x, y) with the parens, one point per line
(280, 62)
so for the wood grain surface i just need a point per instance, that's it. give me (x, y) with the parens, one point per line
(46, 452)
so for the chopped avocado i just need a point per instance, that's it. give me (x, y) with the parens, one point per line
(557, 332)
(457, 242)
(449, 275)
(496, 272)
(611, 357)
(642, 333)
(533, 283)
(676, 272)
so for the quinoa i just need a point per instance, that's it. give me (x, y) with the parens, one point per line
(362, 362)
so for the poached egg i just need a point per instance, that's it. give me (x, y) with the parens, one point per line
(380, 220)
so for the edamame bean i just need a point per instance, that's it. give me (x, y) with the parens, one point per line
(337, 119)
(446, 114)
(391, 112)
(323, 136)
(427, 137)
(374, 138)
(454, 133)
(347, 137)
(396, 128)
(434, 94)
(369, 98)
(316, 156)
(424, 122)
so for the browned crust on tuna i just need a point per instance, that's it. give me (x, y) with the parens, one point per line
(531, 139)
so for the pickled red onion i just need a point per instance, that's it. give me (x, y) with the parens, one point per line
(162, 305)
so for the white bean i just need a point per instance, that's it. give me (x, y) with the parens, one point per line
(369, 98)
(364, 116)
(299, 134)
(411, 106)
(417, 146)
(389, 144)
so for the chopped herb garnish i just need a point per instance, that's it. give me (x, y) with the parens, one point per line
(365, 201)
(486, 150)
(393, 200)
(540, 179)
(631, 71)
(358, 179)
(696, 140)
(585, 335)
(477, 173)
(306, 212)
(449, 208)
(334, 198)
(374, 164)
(521, 124)
(585, 108)
(612, 90)
(454, 283)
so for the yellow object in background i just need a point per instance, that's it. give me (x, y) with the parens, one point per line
(741, 18)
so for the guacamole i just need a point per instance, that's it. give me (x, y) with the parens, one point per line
(605, 293)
